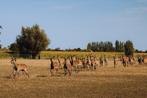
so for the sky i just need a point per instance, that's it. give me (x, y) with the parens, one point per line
(74, 23)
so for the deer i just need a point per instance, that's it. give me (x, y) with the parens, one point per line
(67, 67)
(125, 61)
(54, 66)
(18, 68)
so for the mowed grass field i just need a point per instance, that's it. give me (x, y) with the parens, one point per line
(105, 82)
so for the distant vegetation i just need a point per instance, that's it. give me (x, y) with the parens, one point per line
(101, 46)
(50, 54)
(129, 48)
(108, 46)
(31, 42)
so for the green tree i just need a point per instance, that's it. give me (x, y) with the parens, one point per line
(14, 47)
(100, 46)
(119, 46)
(89, 46)
(129, 48)
(31, 41)
(116, 45)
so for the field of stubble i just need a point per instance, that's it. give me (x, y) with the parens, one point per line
(105, 82)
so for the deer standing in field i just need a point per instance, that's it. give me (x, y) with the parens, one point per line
(125, 61)
(54, 66)
(94, 63)
(101, 61)
(76, 63)
(115, 62)
(17, 68)
(67, 67)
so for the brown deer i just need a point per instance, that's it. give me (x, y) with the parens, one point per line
(67, 67)
(54, 66)
(125, 61)
(18, 68)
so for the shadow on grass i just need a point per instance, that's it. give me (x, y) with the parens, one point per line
(6, 77)
(42, 76)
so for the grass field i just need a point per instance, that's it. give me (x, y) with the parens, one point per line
(105, 82)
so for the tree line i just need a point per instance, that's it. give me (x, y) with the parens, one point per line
(108, 46)
(100, 46)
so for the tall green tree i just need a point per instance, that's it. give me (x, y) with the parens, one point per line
(129, 48)
(116, 45)
(89, 46)
(31, 41)
(119, 46)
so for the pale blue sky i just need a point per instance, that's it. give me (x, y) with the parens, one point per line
(74, 23)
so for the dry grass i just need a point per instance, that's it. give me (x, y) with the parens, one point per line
(105, 82)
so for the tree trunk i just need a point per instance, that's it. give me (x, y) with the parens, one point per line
(34, 55)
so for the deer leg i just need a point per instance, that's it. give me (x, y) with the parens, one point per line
(65, 71)
(51, 72)
(12, 74)
(69, 72)
(26, 72)
(56, 70)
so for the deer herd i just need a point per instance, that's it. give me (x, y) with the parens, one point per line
(74, 64)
